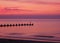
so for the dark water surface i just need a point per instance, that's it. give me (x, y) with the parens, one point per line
(47, 30)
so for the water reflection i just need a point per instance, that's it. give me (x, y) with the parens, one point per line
(15, 33)
(43, 29)
(44, 36)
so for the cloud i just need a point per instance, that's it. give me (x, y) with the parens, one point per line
(45, 3)
(37, 1)
(30, 7)
(15, 8)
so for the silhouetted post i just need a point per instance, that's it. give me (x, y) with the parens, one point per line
(32, 24)
(1, 25)
(22, 24)
(10, 24)
(13, 24)
(27, 24)
(4, 25)
(7, 25)
(18, 24)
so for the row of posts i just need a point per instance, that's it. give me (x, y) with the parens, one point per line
(7, 25)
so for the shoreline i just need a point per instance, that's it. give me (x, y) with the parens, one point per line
(20, 41)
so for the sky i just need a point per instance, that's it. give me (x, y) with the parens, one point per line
(30, 7)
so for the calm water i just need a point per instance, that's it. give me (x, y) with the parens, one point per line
(42, 30)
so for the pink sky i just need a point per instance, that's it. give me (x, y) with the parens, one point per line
(30, 7)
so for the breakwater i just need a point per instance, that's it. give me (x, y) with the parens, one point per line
(22, 24)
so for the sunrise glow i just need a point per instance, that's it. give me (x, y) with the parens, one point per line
(30, 7)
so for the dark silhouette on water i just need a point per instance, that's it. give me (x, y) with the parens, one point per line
(9, 25)
(44, 36)
(13, 24)
(21, 41)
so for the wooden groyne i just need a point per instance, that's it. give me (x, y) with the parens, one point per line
(23, 24)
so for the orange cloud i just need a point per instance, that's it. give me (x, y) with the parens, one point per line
(16, 7)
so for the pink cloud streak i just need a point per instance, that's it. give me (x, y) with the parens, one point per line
(37, 1)
(29, 7)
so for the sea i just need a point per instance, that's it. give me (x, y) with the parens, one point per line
(47, 30)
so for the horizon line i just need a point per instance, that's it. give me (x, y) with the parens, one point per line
(29, 16)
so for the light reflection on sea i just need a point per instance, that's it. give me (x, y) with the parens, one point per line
(42, 30)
